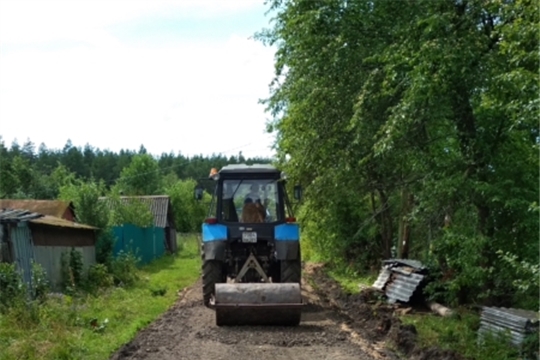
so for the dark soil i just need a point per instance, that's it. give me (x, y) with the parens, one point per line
(334, 325)
(373, 318)
(188, 331)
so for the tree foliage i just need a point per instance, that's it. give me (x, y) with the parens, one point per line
(188, 212)
(413, 125)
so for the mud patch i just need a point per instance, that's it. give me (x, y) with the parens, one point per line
(375, 320)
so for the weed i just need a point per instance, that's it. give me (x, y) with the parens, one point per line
(350, 279)
(158, 291)
(12, 288)
(91, 327)
(458, 333)
(40, 282)
(99, 277)
(72, 270)
(190, 245)
(124, 269)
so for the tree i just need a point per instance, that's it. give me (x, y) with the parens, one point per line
(188, 212)
(91, 211)
(141, 177)
(414, 124)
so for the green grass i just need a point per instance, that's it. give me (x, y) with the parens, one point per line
(62, 327)
(458, 333)
(350, 279)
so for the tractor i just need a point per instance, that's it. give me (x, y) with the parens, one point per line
(251, 263)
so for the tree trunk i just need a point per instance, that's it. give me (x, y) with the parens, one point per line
(404, 228)
(386, 225)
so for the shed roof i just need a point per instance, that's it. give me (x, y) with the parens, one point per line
(46, 207)
(54, 221)
(16, 215)
(159, 206)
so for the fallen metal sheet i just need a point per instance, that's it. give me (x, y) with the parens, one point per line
(517, 322)
(399, 278)
(417, 265)
(384, 275)
(402, 287)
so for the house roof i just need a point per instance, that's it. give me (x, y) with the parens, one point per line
(16, 215)
(159, 206)
(46, 207)
(54, 221)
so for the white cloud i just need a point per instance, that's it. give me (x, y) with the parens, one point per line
(186, 96)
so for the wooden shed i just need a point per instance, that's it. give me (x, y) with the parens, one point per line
(44, 239)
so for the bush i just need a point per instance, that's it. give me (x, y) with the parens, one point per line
(12, 288)
(40, 282)
(104, 246)
(99, 277)
(124, 269)
(72, 270)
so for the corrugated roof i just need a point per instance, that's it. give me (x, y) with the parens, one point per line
(46, 207)
(16, 215)
(54, 221)
(518, 322)
(400, 278)
(159, 206)
(401, 287)
(384, 275)
(417, 265)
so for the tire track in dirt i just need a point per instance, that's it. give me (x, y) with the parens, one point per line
(187, 330)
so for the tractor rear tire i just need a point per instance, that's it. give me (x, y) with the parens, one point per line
(212, 273)
(291, 271)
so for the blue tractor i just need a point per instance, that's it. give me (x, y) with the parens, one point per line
(251, 263)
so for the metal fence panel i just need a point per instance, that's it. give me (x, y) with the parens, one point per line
(146, 243)
(21, 239)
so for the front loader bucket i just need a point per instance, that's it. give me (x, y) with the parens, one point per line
(258, 304)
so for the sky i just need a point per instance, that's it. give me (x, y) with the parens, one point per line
(175, 76)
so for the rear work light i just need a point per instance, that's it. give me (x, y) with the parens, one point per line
(290, 219)
(210, 220)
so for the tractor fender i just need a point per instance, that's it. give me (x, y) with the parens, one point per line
(287, 243)
(214, 237)
(287, 250)
(214, 250)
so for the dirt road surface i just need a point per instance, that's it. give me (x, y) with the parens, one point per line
(188, 331)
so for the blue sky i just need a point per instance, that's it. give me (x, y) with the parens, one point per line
(181, 76)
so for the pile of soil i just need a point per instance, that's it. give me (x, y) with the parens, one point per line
(372, 317)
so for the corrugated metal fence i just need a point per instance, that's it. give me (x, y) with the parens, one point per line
(24, 252)
(146, 243)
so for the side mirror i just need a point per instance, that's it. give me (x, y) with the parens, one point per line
(198, 192)
(297, 191)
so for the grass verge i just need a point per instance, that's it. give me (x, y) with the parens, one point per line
(458, 333)
(93, 326)
(349, 280)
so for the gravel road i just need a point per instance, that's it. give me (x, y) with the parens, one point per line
(187, 330)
